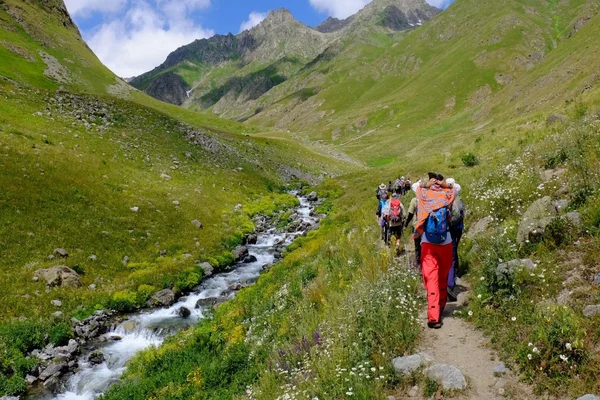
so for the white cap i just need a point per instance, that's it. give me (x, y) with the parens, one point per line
(450, 181)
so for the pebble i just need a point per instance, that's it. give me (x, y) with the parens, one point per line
(500, 369)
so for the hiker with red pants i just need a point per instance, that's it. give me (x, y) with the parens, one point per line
(435, 198)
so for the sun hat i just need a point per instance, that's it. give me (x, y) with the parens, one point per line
(383, 186)
(450, 181)
(395, 196)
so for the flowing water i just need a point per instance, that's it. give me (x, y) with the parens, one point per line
(150, 328)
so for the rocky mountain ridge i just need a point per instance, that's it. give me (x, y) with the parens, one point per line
(234, 69)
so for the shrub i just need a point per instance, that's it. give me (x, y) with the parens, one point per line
(144, 292)
(124, 301)
(560, 231)
(469, 159)
(188, 280)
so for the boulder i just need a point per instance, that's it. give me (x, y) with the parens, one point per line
(184, 312)
(510, 267)
(549, 175)
(210, 302)
(62, 276)
(561, 205)
(197, 224)
(312, 197)
(480, 227)
(409, 364)
(536, 219)
(240, 253)
(250, 259)
(52, 369)
(61, 253)
(164, 298)
(96, 357)
(30, 379)
(589, 397)
(555, 119)
(591, 311)
(251, 239)
(206, 268)
(575, 219)
(447, 376)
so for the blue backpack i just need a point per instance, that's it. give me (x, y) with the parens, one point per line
(437, 226)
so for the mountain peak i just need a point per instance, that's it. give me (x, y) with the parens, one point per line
(281, 15)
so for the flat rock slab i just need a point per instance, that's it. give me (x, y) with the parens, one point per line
(409, 364)
(448, 376)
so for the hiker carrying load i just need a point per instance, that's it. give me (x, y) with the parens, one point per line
(434, 202)
(395, 219)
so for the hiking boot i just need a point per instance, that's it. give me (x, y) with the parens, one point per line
(452, 297)
(434, 325)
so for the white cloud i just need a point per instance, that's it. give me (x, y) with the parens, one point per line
(85, 7)
(254, 19)
(345, 8)
(146, 34)
(339, 8)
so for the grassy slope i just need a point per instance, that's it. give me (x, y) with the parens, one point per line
(71, 186)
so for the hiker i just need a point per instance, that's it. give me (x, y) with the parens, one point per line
(434, 200)
(384, 220)
(382, 198)
(395, 217)
(456, 231)
(398, 186)
(412, 210)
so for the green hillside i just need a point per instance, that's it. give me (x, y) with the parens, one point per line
(500, 95)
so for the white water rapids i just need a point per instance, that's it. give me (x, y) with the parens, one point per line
(150, 328)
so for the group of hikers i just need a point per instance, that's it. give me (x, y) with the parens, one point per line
(437, 213)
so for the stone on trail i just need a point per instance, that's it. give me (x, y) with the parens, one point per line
(197, 224)
(591, 311)
(164, 298)
(409, 364)
(61, 253)
(500, 369)
(448, 376)
(62, 276)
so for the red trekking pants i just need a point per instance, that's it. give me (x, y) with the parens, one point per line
(436, 261)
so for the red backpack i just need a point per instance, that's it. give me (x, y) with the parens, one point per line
(396, 216)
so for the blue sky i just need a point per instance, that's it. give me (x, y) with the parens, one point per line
(134, 36)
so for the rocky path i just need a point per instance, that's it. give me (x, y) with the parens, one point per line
(461, 345)
(461, 351)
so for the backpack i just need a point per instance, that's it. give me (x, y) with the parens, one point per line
(397, 186)
(458, 213)
(396, 214)
(381, 192)
(437, 226)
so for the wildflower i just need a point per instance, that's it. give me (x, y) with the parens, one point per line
(513, 319)
(564, 358)
(530, 344)
(569, 346)
(535, 350)
(479, 296)
(470, 313)
(482, 278)
(529, 356)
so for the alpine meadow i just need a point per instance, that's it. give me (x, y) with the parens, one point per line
(208, 229)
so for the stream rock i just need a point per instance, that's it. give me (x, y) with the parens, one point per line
(164, 298)
(312, 197)
(184, 312)
(54, 369)
(61, 276)
(93, 326)
(447, 376)
(206, 268)
(250, 259)
(251, 239)
(96, 357)
(240, 253)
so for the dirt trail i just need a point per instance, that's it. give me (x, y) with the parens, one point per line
(460, 344)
